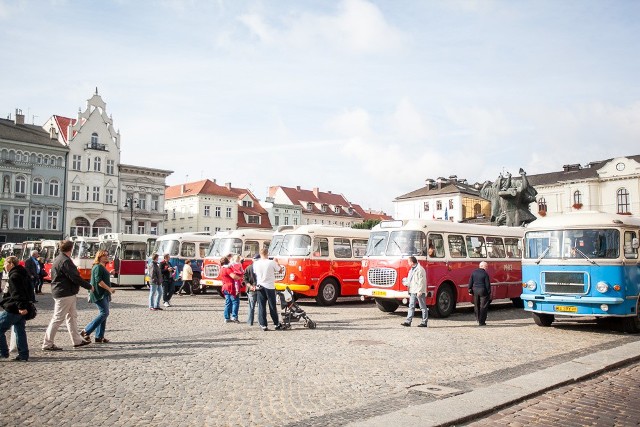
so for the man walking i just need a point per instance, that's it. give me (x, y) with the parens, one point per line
(265, 270)
(33, 269)
(480, 288)
(65, 285)
(417, 284)
(167, 280)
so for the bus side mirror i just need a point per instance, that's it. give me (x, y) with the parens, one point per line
(634, 243)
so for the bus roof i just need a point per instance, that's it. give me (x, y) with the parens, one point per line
(583, 219)
(122, 237)
(192, 237)
(85, 238)
(248, 233)
(447, 227)
(329, 230)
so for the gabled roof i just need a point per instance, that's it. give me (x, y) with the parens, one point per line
(256, 209)
(63, 124)
(301, 197)
(449, 188)
(572, 172)
(371, 215)
(205, 186)
(32, 134)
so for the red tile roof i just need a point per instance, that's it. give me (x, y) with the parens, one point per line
(205, 186)
(301, 197)
(369, 214)
(63, 124)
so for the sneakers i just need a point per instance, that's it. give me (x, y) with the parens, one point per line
(19, 359)
(422, 325)
(52, 348)
(264, 328)
(405, 324)
(227, 320)
(166, 304)
(235, 320)
(82, 344)
(279, 327)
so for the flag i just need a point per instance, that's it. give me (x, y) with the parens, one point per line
(446, 214)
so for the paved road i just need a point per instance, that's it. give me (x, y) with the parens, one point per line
(610, 399)
(184, 366)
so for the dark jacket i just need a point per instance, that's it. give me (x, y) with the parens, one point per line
(249, 278)
(480, 280)
(156, 275)
(32, 269)
(65, 279)
(167, 273)
(18, 296)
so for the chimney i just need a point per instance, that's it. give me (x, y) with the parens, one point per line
(329, 192)
(453, 178)
(19, 120)
(567, 168)
(214, 180)
(53, 134)
(183, 188)
(298, 187)
(228, 185)
(441, 182)
(316, 190)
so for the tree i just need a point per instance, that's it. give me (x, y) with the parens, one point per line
(366, 225)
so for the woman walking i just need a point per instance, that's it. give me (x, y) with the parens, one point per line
(100, 295)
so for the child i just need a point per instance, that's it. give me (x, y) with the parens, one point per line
(236, 268)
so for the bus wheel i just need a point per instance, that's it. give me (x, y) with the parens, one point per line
(631, 325)
(517, 302)
(138, 287)
(328, 292)
(195, 287)
(445, 302)
(219, 290)
(387, 305)
(543, 319)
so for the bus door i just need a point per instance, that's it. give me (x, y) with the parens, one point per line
(345, 266)
(131, 263)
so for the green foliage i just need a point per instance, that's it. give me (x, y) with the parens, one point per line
(366, 225)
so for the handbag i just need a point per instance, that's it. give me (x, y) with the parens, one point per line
(32, 311)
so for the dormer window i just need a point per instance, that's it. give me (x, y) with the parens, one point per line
(309, 206)
(324, 207)
(253, 219)
(350, 211)
(336, 209)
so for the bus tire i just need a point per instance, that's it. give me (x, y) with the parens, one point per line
(328, 292)
(138, 286)
(543, 319)
(219, 290)
(517, 302)
(631, 325)
(387, 305)
(195, 286)
(445, 302)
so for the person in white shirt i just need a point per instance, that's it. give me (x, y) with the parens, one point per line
(417, 284)
(187, 278)
(265, 270)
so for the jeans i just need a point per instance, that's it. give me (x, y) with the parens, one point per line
(231, 305)
(252, 297)
(7, 320)
(265, 295)
(167, 290)
(154, 295)
(99, 324)
(422, 301)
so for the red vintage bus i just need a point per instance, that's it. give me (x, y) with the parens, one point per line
(245, 242)
(449, 252)
(127, 257)
(48, 251)
(320, 261)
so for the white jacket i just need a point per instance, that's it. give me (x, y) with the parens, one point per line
(417, 280)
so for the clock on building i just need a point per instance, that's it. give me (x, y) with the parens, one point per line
(620, 166)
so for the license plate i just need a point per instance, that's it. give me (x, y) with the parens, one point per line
(566, 308)
(379, 293)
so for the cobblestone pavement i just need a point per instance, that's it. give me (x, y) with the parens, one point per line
(610, 399)
(183, 366)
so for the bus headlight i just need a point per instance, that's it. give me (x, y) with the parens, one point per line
(531, 285)
(604, 307)
(361, 280)
(292, 277)
(602, 287)
(530, 304)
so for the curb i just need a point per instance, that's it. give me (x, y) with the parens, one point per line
(464, 408)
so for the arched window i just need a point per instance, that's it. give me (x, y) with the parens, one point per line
(101, 226)
(477, 209)
(542, 204)
(36, 186)
(54, 188)
(39, 159)
(94, 138)
(577, 197)
(21, 185)
(622, 200)
(81, 227)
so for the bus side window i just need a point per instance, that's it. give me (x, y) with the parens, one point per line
(320, 247)
(476, 247)
(629, 250)
(495, 249)
(188, 250)
(457, 248)
(359, 248)
(436, 242)
(513, 248)
(251, 248)
(342, 248)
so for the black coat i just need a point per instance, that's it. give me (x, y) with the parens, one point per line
(480, 280)
(65, 279)
(18, 296)
(31, 267)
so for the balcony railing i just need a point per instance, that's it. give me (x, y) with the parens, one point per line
(96, 146)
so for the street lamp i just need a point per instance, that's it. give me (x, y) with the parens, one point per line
(130, 204)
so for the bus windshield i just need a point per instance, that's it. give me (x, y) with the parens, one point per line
(377, 243)
(134, 250)
(229, 245)
(295, 245)
(214, 248)
(167, 247)
(85, 250)
(276, 245)
(588, 244)
(407, 242)
(108, 246)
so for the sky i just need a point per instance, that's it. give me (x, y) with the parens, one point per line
(367, 98)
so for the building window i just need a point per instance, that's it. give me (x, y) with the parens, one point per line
(207, 210)
(247, 203)
(438, 205)
(324, 208)
(52, 220)
(286, 220)
(36, 186)
(21, 185)
(207, 229)
(228, 212)
(295, 220)
(77, 162)
(336, 209)
(96, 194)
(97, 164)
(276, 221)
(577, 197)
(309, 206)
(154, 228)
(217, 229)
(54, 188)
(254, 219)
(622, 200)
(127, 227)
(218, 212)
(111, 167)
(426, 206)
(94, 139)
(155, 202)
(108, 196)
(75, 193)
(88, 163)
(542, 204)
(142, 203)
(450, 203)
(36, 219)
(18, 217)
(141, 228)
(173, 213)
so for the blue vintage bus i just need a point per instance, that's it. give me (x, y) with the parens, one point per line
(582, 264)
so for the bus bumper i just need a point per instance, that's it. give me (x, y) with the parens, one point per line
(211, 283)
(383, 293)
(293, 287)
(578, 306)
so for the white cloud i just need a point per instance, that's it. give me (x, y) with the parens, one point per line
(410, 124)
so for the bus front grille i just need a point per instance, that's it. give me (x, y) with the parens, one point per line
(565, 282)
(211, 270)
(382, 276)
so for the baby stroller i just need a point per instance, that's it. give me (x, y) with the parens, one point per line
(291, 311)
